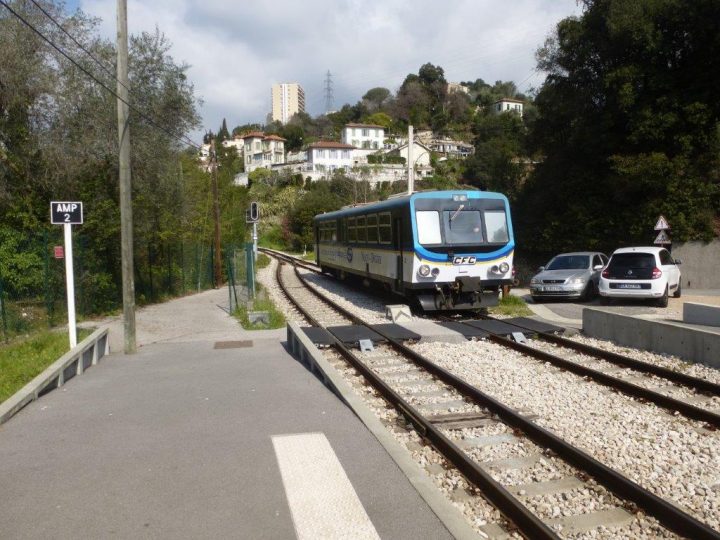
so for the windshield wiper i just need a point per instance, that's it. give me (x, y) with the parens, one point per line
(455, 214)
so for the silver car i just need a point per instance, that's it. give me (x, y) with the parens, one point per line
(569, 275)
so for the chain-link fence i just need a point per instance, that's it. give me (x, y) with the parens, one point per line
(32, 279)
(240, 268)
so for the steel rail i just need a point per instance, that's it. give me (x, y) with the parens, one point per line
(517, 513)
(701, 385)
(634, 390)
(665, 512)
(290, 259)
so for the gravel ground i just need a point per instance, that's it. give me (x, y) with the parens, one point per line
(671, 456)
(652, 382)
(664, 360)
(365, 306)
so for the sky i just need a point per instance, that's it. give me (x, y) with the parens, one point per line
(237, 50)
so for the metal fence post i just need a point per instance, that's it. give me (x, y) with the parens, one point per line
(250, 258)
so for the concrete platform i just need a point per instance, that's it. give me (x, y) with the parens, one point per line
(184, 440)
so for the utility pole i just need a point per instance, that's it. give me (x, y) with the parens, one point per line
(217, 261)
(126, 218)
(411, 168)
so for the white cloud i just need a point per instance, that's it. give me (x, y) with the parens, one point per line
(236, 50)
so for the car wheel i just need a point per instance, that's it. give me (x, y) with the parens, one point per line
(663, 300)
(678, 291)
(589, 293)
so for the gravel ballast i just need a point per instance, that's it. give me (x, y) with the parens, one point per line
(669, 455)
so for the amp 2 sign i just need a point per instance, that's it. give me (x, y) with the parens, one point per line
(62, 213)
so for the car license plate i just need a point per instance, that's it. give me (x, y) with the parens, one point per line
(629, 286)
(552, 288)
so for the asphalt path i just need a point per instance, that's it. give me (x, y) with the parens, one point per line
(570, 312)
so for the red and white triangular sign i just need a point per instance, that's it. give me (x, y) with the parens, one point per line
(662, 238)
(661, 224)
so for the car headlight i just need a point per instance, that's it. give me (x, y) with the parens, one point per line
(577, 281)
(424, 270)
(534, 281)
(504, 267)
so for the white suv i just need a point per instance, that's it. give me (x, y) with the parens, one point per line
(641, 272)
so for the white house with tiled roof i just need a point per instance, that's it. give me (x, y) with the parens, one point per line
(364, 136)
(329, 156)
(508, 105)
(262, 151)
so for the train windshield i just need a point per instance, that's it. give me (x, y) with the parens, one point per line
(462, 227)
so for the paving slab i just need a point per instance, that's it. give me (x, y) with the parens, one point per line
(176, 442)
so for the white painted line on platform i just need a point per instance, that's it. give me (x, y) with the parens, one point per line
(322, 500)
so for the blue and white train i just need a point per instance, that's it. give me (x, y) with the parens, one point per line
(449, 250)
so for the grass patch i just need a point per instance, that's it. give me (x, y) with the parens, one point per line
(261, 303)
(22, 361)
(511, 306)
(262, 261)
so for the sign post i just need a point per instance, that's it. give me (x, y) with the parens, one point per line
(68, 214)
(663, 239)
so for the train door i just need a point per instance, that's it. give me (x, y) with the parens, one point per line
(398, 247)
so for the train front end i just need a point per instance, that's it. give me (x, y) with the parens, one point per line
(463, 249)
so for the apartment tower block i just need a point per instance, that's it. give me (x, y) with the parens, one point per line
(287, 99)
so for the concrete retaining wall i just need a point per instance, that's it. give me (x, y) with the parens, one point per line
(74, 362)
(699, 264)
(705, 314)
(690, 344)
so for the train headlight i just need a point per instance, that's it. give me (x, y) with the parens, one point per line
(424, 270)
(435, 272)
(504, 267)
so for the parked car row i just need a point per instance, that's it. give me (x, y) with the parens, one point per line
(633, 272)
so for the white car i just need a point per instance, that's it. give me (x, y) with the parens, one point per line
(641, 272)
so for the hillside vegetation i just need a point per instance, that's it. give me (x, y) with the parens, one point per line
(625, 128)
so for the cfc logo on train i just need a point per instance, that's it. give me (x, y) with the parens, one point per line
(464, 260)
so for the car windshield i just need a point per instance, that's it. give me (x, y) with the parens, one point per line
(569, 262)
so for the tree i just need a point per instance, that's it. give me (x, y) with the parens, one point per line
(376, 97)
(223, 133)
(628, 122)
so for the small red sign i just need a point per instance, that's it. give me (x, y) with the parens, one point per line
(59, 252)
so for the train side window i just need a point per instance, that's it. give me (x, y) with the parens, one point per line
(385, 228)
(332, 231)
(361, 230)
(372, 229)
(352, 231)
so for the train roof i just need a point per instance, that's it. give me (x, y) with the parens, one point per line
(398, 201)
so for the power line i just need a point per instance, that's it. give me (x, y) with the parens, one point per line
(91, 55)
(180, 138)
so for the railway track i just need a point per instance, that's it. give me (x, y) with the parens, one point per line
(666, 388)
(468, 426)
